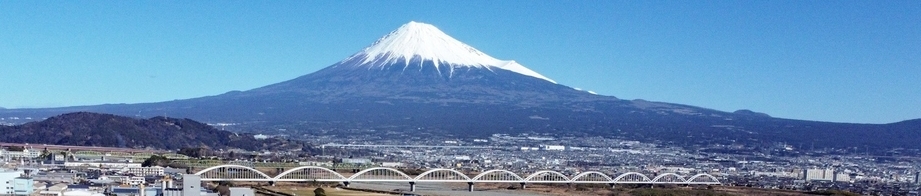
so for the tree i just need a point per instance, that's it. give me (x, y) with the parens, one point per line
(16, 148)
(319, 192)
(222, 189)
(156, 160)
(225, 183)
(46, 155)
(196, 152)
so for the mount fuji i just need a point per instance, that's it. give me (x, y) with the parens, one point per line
(419, 79)
(423, 46)
(420, 63)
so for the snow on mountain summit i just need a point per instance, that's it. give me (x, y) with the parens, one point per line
(415, 41)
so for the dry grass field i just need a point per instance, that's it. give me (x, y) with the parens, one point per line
(562, 189)
(330, 191)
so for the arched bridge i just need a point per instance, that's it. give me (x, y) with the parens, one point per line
(384, 174)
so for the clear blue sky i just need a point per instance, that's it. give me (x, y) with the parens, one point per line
(841, 61)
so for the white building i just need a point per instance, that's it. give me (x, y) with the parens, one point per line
(819, 174)
(23, 186)
(677, 170)
(525, 148)
(842, 177)
(316, 163)
(146, 171)
(826, 175)
(391, 164)
(356, 161)
(917, 178)
(7, 178)
(25, 153)
(102, 164)
(136, 180)
(553, 147)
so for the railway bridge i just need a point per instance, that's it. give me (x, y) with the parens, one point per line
(385, 174)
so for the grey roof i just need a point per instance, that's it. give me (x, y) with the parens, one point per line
(78, 186)
(125, 190)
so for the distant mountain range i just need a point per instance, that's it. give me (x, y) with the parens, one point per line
(418, 79)
(106, 130)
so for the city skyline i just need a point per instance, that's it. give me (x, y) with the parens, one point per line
(840, 62)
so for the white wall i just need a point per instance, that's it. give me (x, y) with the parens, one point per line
(6, 181)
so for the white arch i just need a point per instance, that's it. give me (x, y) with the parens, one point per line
(657, 178)
(282, 174)
(535, 174)
(692, 178)
(379, 168)
(618, 178)
(583, 174)
(502, 174)
(467, 178)
(477, 177)
(232, 166)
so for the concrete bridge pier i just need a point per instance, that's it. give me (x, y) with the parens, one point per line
(346, 183)
(412, 186)
(524, 185)
(469, 186)
(271, 183)
(613, 186)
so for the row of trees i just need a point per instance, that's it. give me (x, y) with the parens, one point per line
(48, 155)
(156, 160)
(15, 148)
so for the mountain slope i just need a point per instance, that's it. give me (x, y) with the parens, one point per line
(93, 129)
(419, 62)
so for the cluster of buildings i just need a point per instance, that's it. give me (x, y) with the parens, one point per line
(782, 167)
(826, 175)
(35, 182)
(545, 148)
(19, 155)
(36, 173)
(777, 166)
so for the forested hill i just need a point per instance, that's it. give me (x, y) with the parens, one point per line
(107, 130)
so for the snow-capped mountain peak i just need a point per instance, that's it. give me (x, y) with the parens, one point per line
(416, 42)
